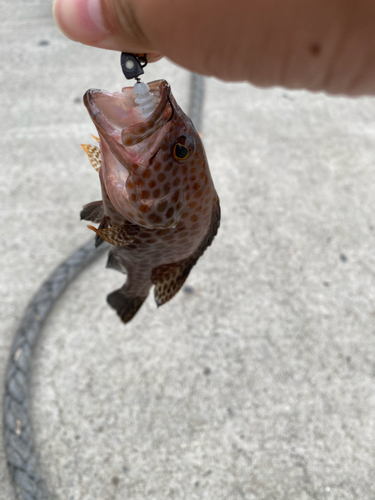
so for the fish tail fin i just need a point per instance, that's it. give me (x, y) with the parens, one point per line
(126, 307)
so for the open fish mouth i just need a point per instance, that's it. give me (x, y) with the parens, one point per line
(119, 121)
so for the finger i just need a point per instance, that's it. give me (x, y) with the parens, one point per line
(314, 44)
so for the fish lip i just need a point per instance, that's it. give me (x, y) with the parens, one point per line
(132, 120)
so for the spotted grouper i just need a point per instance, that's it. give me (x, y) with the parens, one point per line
(160, 209)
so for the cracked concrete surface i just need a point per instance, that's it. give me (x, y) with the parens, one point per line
(257, 381)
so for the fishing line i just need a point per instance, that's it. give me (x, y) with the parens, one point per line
(20, 453)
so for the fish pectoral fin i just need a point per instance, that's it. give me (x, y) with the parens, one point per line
(119, 236)
(95, 157)
(93, 212)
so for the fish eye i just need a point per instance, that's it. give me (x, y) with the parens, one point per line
(180, 152)
(183, 148)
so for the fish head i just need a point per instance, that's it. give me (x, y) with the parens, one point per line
(145, 161)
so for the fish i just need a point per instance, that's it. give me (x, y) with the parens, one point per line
(159, 209)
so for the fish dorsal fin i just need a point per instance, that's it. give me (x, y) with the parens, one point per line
(169, 278)
(93, 211)
(95, 157)
(119, 236)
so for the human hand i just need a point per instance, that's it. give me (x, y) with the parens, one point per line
(313, 44)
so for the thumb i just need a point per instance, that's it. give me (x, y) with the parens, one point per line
(313, 44)
(107, 24)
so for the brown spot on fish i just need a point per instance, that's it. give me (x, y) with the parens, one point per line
(162, 206)
(154, 218)
(152, 184)
(161, 177)
(169, 212)
(144, 208)
(166, 188)
(145, 194)
(176, 196)
(156, 193)
(139, 182)
(147, 173)
(168, 166)
(176, 182)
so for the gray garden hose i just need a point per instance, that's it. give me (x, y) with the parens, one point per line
(18, 438)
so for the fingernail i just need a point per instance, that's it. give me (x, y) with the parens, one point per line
(80, 20)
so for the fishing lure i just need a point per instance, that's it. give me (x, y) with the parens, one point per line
(160, 209)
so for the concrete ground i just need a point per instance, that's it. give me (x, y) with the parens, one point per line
(257, 381)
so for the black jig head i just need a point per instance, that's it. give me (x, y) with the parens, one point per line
(132, 65)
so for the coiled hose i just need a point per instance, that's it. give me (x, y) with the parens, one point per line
(18, 437)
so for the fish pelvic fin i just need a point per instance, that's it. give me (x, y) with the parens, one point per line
(113, 262)
(104, 223)
(126, 307)
(119, 236)
(95, 157)
(93, 212)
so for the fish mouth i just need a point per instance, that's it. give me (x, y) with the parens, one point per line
(119, 121)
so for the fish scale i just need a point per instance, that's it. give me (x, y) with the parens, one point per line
(160, 209)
